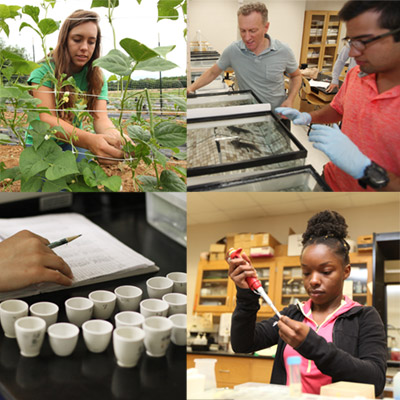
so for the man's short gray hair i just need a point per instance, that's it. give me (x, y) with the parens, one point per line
(254, 7)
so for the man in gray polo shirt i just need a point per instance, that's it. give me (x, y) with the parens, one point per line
(258, 60)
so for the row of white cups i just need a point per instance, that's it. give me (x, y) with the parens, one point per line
(162, 318)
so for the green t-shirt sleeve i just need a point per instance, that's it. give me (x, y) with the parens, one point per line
(104, 90)
(37, 75)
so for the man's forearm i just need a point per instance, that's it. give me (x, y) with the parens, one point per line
(326, 115)
(206, 78)
(294, 87)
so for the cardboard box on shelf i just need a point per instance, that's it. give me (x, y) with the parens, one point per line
(262, 239)
(265, 251)
(217, 256)
(217, 248)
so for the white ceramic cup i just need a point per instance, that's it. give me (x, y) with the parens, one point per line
(153, 307)
(129, 318)
(158, 286)
(46, 310)
(128, 345)
(157, 335)
(177, 303)
(97, 334)
(104, 303)
(30, 334)
(79, 310)
(128, 297)
(180, 281)
(63, 338)
(178, 335)
(10, 311)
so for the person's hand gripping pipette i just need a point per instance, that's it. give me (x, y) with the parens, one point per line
(249, 276)
(245, 276)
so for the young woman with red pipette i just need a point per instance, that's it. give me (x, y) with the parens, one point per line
(336, 338)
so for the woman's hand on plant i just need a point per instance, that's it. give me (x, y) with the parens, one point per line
(108, 146)
(25, 260)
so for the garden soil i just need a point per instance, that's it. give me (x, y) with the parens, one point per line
(10, 156)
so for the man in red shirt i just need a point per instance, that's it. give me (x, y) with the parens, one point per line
(365, 152)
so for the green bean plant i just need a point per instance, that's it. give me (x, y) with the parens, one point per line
(44, 166)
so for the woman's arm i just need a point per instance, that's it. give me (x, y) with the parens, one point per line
(358, 354)
(100, 145)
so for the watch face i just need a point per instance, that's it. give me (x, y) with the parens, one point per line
(376, 176)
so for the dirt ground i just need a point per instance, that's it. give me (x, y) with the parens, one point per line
(10, 156)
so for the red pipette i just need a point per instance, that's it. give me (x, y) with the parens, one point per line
(253, 282)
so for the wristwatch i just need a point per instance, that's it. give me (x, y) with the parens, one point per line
(374, 176)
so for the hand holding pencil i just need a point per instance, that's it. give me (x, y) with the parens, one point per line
(27, 259)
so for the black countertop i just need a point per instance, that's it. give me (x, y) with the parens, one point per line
(85, 375)
(227, 354)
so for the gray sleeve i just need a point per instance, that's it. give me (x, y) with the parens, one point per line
(339, 64)
(291, 65)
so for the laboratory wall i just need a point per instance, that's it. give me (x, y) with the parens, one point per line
(217, 20)
(361, 221)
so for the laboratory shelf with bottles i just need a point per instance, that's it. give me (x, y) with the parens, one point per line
(281, 277)
(321, 37)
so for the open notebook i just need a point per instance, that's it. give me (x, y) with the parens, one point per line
(95, 257)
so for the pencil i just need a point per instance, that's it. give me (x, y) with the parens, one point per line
(62, 241)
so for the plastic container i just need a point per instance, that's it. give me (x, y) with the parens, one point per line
(294, 376)
(206, 367)
(167, 213)
(396, 386)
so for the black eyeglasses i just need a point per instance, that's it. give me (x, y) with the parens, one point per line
(361, 44)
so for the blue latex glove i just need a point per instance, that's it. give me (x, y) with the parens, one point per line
(298, 118)
(340, 149)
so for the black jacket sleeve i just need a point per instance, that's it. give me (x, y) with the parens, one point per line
(248, 336)
(358, 353)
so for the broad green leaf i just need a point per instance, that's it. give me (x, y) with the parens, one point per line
(31, 163)
(170, 134)
(64, 164)
(48, 26)
(137, 50)
(148, 183)
(4, 26)
(160, 157)
(8, 11)
(137, 132)
(116, 62)
(40, 126)
(33, 184)
(180, 170)
(166, 9)
(94, 175)
(155, 64)
(49, 151)
(112, 78)
(164, 50)
(104, 3)
(170, 182)
(11, 173)
(55, 186)
(10, 92)
(180, 156)
(80, 186)
(113, 183)
(25, 24)
(32, 11)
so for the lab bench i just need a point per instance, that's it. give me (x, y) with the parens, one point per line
(85, 375)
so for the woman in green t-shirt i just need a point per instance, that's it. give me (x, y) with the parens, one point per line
(78, 46)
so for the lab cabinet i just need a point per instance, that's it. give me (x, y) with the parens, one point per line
(281, 277)
(296, 179)
(244, 143)
(216, 292)
(321, 36)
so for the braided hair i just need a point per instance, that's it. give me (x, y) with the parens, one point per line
(328, 228)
